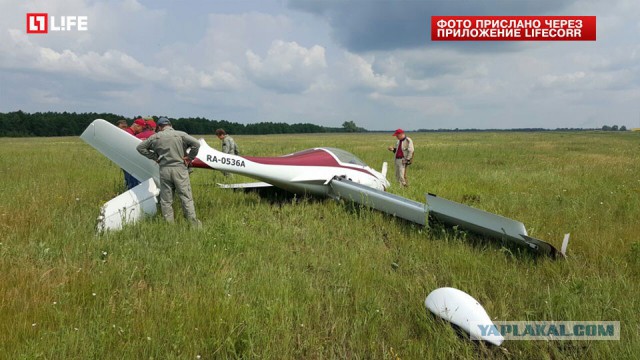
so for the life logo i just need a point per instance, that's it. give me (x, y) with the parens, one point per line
(42, 23)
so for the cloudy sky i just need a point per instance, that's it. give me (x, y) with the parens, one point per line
(321, 61)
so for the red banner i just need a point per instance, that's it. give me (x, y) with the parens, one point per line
(513, 28)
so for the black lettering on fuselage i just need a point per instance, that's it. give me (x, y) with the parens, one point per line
(226, 161)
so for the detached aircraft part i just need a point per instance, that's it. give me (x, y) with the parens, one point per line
(129, 207)
(462, 310)
(446, 211)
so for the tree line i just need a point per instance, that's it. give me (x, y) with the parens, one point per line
(614, 128)
(22, 124)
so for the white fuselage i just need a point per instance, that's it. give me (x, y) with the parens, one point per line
(291, 176)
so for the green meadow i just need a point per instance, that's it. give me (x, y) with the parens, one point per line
(273, 276)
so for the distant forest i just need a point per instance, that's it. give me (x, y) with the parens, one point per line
(21, 124)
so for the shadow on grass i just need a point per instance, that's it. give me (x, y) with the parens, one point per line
(483, 349)
(278, 197)
(440, 231)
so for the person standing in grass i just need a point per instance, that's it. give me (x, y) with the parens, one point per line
(229, 145)
(167, 147)
(403, 152)
(135, 129)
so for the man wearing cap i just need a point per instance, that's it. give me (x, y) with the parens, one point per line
(403, 152)
(137, 127)
(149, 129)
(167, 147)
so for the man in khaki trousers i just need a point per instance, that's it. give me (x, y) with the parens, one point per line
(403, 152)
(167, 147)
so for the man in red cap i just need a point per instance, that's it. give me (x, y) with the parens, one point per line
(403, 152)
(137, 127)
(149, 129)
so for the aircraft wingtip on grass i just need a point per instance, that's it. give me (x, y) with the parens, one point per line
(319, 171)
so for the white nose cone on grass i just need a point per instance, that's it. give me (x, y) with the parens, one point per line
(462, 310)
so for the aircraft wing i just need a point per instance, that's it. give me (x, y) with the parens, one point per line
(251, 185)
(446, 211)
(120, 147)
(380, 200)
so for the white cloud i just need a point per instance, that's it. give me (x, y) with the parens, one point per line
(287, 66)
(362, 74)
(226, 77)
(111, 66)
(229, 36)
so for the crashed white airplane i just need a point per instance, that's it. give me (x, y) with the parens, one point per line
(320, 171)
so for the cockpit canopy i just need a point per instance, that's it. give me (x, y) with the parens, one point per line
(345, 156)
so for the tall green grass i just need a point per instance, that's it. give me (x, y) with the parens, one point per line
(277, 276)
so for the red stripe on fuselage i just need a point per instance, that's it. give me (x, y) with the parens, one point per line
(310, 157)
(197, 163)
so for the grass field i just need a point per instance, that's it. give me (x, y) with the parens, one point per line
(278, 277)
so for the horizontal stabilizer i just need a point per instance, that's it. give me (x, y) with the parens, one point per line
(251, 185)
(129, 207)
(120, 147)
